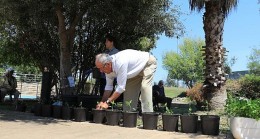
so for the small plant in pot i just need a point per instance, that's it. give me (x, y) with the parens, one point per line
(113, 115)
(170, 120)
(37, 109)
(80, 113)
(189, 121)
(20, 106)
(129, 117)
(99, 115)
(150, 119)
(67, 112)
(47, 109)
(56, 109)
(209, 123)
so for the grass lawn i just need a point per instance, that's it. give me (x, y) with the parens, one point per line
(173, 91)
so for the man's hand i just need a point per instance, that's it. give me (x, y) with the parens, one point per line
(102, 105)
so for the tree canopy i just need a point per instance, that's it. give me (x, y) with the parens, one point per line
(254, 62)
(66, 35)
(188, 64)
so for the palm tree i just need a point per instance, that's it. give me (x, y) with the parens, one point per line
(213, 19)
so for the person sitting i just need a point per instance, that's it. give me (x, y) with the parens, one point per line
(159, 95)
(8, 85)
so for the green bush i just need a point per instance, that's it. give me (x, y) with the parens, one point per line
(250, 86)
(241, 107)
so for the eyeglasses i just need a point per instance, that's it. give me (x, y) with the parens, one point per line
(104, 65)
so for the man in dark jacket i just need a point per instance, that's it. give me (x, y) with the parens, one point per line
(159, 95)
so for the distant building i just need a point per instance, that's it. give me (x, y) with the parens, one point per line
(237, 74)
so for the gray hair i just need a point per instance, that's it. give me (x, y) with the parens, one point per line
(103, 58)
(9, 69)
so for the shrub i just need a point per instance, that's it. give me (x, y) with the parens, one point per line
(196, 94)
(233, 86)
(250, 86)
(241, 107)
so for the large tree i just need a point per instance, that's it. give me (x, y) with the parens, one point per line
(254, 62)
(213, 19)
(66, 35)
(187, 65)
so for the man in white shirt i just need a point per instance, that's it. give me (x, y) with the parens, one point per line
(111, 50)
(134, 71)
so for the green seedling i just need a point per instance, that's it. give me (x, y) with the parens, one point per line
(80, 104)
(168, 111)
(119, 105)
(190, 109)
(113, 104)
(128, 103)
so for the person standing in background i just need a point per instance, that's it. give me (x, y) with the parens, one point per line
(111, 50)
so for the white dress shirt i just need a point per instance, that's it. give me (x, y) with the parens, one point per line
(126, 64)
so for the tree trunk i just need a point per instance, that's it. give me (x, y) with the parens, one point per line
(46, 86)
(66, 43)
(65, 65)
(216, 97)
(213, 20)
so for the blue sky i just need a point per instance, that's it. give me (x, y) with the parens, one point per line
(241, 34)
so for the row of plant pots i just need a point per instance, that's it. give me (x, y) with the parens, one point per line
(209, 124)
(113, 117)
(189, 123)
(78, 114)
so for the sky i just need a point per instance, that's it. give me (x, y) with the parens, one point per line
(241, 34)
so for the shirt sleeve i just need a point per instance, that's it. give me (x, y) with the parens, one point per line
(122, 78)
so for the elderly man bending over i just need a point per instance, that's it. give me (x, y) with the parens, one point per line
(134, 71)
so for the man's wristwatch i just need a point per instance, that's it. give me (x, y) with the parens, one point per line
(108, 101)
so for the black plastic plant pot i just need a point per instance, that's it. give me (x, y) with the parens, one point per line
(113, 117)
(67, 113)
(80, 114)
(99, 116)
(21, 107)
(129, 119)
(150, 120)
(56, 111)
(170, 122)
(210, 124)
(89, 115)
(46, 110)
(38, 109)
(189, 123)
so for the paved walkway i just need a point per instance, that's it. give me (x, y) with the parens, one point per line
(18, 125)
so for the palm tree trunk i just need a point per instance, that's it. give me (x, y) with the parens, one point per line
(213, 20)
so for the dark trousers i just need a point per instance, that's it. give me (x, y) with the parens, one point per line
(161, 99)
